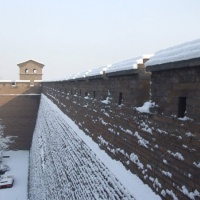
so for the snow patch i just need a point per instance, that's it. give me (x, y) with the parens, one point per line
(196, 164)
(141, 141)
(145, 108)
(168, 174)
(191, 195)
(134, 158)
(18, 163)
(185, 118)
(176, 155)
(170, 192)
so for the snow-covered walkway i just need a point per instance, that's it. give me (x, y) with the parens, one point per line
(63, 166)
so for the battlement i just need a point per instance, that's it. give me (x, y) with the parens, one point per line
(20, 87)
(160, 140)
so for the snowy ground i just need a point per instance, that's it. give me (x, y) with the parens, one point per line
(18, 163)
(67, 164)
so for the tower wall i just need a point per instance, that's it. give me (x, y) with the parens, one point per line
(30, 70)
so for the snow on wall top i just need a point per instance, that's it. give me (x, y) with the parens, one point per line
(81, 74)
(180, 52)
(97, 71)
(120, 66)
(69, 77)
(92, 72)
(10, 81)
(6, 81)
(126, 65)
(38, 81)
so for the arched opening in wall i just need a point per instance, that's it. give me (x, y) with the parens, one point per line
(94, 94)
(13, 83)
(26, 71)
(80, 92)
(120, 98)
(181, 106)
(34, 71)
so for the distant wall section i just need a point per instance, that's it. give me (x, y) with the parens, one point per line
(19, 102)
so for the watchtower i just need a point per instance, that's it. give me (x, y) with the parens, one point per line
(30, 70)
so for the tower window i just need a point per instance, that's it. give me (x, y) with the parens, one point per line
(120, 98)
(181, 106)
(94, 94)
(26, 71)
(34, 71)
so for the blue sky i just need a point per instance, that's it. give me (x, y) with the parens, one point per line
(70, 36)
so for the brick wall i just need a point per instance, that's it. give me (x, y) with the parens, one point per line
(169, 85)
(19, 105)
(30, 70)
(162, 150)
(134, 87)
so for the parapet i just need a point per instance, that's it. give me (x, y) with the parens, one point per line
(176, 80)
(18, 87)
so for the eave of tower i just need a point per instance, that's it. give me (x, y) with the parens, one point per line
(24, 63)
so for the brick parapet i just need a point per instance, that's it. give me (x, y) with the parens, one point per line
(161, 150)
(20, 87)
(167, 86)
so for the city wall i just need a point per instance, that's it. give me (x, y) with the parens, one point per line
(162, 149)
(160, 146)
(19, 103)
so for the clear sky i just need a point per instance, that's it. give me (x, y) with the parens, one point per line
(70, 36)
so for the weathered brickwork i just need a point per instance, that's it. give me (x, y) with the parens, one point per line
(20, 87)
(134, 87)
(169, 85)
(160, 148)
(19, 103)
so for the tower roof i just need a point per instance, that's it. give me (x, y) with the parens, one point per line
(24, 63)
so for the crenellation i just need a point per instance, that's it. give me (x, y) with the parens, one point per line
(165, 135)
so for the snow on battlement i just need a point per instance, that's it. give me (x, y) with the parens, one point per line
(127, 64)
(98, 71)
(185, 51)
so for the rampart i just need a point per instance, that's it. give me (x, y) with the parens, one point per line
(19, 103)
(161, 148)
(161, 145)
